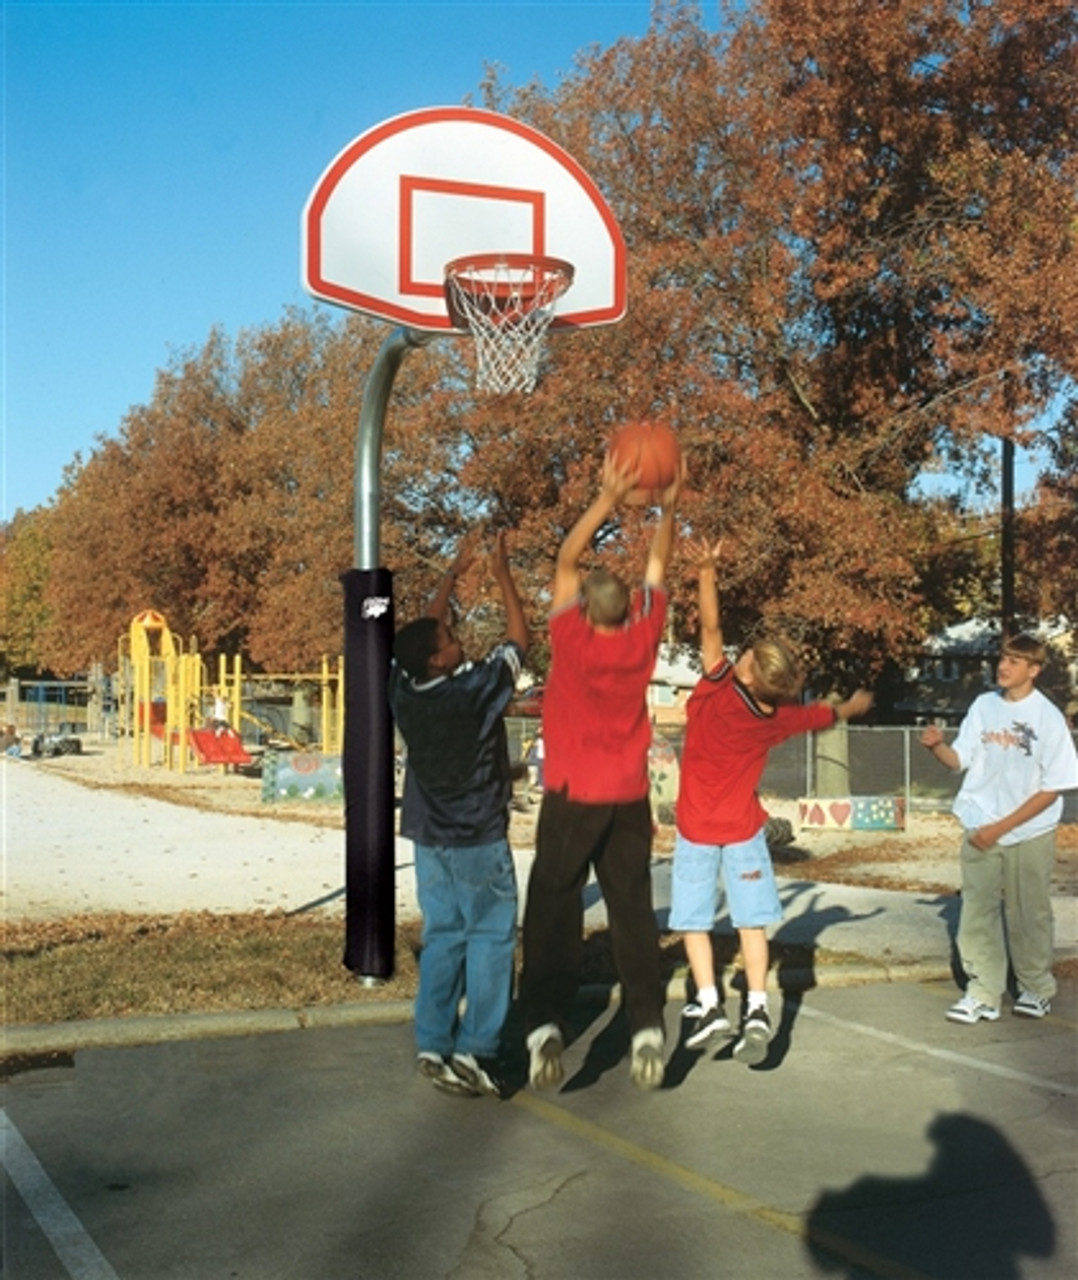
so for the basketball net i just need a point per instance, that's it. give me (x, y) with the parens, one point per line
(506, 301)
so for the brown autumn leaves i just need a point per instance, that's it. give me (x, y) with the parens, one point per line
(853, 256)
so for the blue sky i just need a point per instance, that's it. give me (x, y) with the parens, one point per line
(157, 160)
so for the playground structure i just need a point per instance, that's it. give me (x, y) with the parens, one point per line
(175, 716)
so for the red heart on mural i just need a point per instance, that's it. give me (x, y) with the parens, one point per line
(816, 816)
(840, 810)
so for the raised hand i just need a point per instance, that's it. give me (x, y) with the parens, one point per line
(499, 556)
(669, 495)
(704, 554)
(467, 552)
(619, 479)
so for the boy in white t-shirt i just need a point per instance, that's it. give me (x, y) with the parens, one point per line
(1018, 755)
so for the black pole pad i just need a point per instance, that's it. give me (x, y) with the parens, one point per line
(367, 767)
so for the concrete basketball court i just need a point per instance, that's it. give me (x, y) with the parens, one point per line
(877, 1139)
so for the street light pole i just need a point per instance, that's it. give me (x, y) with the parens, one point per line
(1006, 542)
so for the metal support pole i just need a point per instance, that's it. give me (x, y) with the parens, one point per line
(1006, 542)
(367, 751)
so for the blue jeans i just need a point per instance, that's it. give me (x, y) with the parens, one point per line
(468, 898)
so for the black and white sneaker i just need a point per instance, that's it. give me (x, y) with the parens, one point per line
(708, 1022)
(1029, 1005)
(481, 1075)
(751, 1048)
(433, 1067)
(969, 1010)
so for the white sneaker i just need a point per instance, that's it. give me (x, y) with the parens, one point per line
(969, 1010)
(1031, 1006)
(433, 1067)
(482, 1075)
(430, 1065)
(646, 1068)
(545, 1047)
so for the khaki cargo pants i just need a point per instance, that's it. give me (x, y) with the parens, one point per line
(1007, 908)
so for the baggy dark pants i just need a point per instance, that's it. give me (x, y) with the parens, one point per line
(616, 840)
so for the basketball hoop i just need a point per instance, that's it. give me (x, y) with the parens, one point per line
(506, 301)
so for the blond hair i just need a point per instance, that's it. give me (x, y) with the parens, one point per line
(606, 598)
(776, 671)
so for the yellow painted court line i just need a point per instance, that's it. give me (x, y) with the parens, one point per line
(718, 1192)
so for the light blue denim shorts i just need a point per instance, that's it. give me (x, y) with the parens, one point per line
(745, 873)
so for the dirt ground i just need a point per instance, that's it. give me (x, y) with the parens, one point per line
(924, 857)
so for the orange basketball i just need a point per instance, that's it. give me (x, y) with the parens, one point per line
(654, 448)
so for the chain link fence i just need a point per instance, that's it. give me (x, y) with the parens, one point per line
(851, 760)
(860, 761)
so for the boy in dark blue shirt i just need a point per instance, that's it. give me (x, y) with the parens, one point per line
(457, 788)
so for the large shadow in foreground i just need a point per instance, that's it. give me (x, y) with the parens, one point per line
(973, 1215)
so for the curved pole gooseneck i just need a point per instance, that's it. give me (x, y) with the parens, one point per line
(367, 495)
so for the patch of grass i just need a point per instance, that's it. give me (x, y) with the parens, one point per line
(112, 965)
(116, 965)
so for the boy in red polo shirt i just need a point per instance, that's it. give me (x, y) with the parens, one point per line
(596, 809)
(735, 715)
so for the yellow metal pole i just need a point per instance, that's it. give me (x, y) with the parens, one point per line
(192, 702)
(234, 706)
(172, 707)
(323, 709)
(221, 687)
(339, 744)
(140, 662)
(183, 690)
(134, 694)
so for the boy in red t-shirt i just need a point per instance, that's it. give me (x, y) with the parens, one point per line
(596, 809)
(735, 715)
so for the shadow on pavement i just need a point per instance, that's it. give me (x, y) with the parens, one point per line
(794, 947)
(948, 906)
(972, 1215)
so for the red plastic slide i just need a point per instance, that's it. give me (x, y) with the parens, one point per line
(210, 748)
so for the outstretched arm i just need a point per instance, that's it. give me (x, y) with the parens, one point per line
(662, 542)
(932, 738)
(616, 483)
(516, 624)
(438, 607)
(706, 559)
(857, 704)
